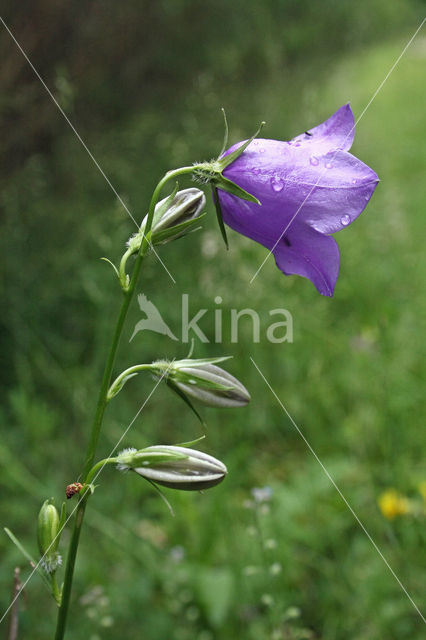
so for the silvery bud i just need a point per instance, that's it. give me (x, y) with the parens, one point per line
(48, 533)
(174, 467)
(174, 216)
(205, 382)
(181, 207)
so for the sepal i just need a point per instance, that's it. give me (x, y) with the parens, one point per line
(225, 161)
(177, 231)
(219, 216)
(230, 187)
(212, 172)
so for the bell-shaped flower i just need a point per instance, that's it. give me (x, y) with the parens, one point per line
(309, 187)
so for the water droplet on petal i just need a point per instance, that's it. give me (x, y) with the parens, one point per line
(297, 144)
(354, 181)
(345, 220)
(277, 184)
(314, 161)
(262, 150)
(328, 165)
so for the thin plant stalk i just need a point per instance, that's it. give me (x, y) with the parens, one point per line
(102, 402)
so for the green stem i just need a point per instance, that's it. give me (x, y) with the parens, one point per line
(102, 402)
(102, 399)
(99, 465)
(118, 382)
(69, 571)
(55, 589)
(122, 268)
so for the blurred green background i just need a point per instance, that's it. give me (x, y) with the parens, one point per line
(143, 82)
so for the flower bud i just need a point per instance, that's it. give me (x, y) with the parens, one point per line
(174, 216)
(174, 467)
(204, 381)
(48, 534)
(185, 205)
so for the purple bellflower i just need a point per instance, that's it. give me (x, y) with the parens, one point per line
(309, 188)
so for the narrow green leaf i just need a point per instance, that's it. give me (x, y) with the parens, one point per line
(191, 443)
(191, 349)
(63, 517)
(225, 137)
(219, 214)
(30, 559)
(185, 398)
(162, 496)
(112, 265)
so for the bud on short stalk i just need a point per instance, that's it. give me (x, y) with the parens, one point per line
(204, 381)
(174, 216)
(184, 206)
(48, 534)
(174, 467)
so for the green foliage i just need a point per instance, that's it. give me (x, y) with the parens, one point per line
(224, 567)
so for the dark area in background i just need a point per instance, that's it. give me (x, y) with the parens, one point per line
(106, 61)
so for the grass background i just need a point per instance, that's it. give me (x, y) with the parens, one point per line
(298, 566)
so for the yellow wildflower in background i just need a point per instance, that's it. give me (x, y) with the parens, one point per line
(392, 504)
(422, 489)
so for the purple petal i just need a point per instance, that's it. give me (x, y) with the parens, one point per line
(337, 132)
(308, 188)
(342, 193)
(254, 221)
(327, 191)
(301, 250)
(310, 254)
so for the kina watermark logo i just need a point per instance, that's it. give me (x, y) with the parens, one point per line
(278, 329)
(153, 321)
